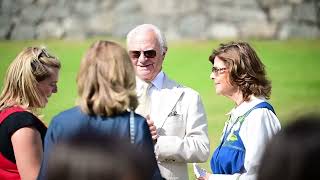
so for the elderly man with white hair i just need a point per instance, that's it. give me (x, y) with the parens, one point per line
(175, 113)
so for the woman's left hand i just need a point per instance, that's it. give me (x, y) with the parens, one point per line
(205, 177)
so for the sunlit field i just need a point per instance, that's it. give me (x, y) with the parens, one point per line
(292, 66)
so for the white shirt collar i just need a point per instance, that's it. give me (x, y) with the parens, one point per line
(245, 106)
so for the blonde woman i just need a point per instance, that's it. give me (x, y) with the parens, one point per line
(30, 80)
(107, 100)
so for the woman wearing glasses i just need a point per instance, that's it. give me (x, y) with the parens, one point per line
(239, 75)
(30, 80)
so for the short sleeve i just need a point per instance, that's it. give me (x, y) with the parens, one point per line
(13, 123)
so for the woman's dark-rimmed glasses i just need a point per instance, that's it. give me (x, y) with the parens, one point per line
(217, 71)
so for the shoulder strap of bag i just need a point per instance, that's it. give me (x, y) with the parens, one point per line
(131, 126)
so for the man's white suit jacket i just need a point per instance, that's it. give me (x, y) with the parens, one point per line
(183, 130)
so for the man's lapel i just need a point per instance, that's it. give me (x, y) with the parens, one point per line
(169, 96)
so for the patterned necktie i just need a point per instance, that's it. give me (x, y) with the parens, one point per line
(144, 107)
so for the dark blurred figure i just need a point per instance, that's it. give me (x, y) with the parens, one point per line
(294, 153)
(91, 156)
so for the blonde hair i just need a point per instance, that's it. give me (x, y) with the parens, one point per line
(31, 66)
(106, 80)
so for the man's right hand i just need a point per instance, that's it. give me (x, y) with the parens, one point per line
(153, 129)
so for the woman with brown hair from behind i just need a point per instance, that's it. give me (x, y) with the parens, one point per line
(107, 100)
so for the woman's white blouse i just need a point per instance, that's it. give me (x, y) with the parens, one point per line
(257, 129)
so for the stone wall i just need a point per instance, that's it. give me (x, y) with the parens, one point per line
(194, 19)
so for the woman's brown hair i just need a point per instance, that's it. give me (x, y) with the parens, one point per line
(106, 80)
(246, 69)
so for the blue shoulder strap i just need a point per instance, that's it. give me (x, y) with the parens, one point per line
(260, 105)
(263, 105)
(131, 126)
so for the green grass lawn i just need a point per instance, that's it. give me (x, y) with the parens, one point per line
(292, 66)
